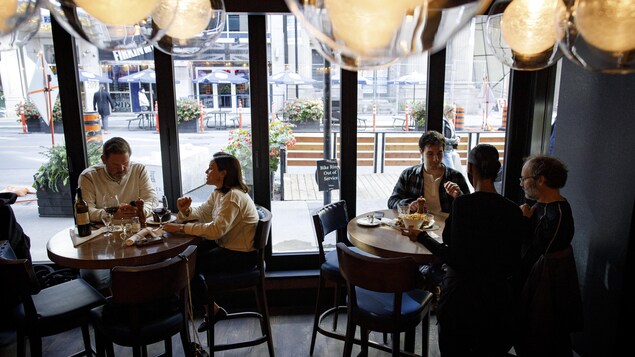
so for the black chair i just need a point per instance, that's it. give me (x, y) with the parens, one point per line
(148, 305)
(254, 279)
(330, 218)
(44, 312)
(383, 295)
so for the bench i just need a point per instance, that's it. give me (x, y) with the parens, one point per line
(145, 120)
(401, 150)
(402, 121)
(309, 148)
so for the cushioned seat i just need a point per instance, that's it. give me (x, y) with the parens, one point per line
(45, 312)
(147, 305)
(383, 296)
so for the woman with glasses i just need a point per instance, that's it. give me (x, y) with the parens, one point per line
(551, 301)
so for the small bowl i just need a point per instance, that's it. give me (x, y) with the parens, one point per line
(416, 223)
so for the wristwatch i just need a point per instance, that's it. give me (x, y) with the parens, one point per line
(182, 228)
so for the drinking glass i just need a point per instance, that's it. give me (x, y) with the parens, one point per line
(111, 203)
(126, 229)
(136, 225)
(107, 219)
(403, 209)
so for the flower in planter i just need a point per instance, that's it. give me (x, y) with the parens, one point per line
(30, 110)
(303, 110)
(187, 110)
(240, 144)
(57, 111)
(418, 113)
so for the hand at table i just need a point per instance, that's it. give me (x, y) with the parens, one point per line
(183, 204)
(528, 210)
(171, 227)
(452, 189)
(411, 233)
(125, 211)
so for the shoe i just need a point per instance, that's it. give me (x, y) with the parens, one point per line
(221, 314)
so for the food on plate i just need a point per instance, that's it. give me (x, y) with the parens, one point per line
(417, 220)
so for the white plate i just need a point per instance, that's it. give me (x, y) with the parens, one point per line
(150, 221)
(433, 227)
(364, 222)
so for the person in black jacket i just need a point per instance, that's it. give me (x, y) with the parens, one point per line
(481, 251)
(102, 102)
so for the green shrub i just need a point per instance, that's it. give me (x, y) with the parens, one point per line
(303, 110)
(55, 170)
(187, 109)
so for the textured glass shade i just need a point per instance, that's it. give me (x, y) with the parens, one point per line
(521, 33)
(14, 12)
(367, 34)
(118, 12)
(23, 34)
(76, 21)
(197, 25)
(598, 35)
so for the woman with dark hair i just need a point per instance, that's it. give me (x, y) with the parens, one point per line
(481, 250)
(227, 222)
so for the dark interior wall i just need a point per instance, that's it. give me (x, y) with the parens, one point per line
(595, 137)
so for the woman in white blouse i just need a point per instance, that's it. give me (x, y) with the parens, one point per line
(227, 222)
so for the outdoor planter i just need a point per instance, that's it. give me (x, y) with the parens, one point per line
(55, 204)
(188, 126)
(307, 126)
(35, 125)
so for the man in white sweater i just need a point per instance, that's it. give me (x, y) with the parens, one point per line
(116, 175)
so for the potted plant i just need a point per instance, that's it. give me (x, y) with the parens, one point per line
(239, 144)
(304, 113)
(188, 113)
(34, 121)
(418, 114)
(51, 181)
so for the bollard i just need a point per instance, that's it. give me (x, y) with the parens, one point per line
(374, 116)
(23, 118)
(92, 128)
(273, 109)
(156, 116)
(406, 121)
(240, 113)
(504, 124)
(459, 118)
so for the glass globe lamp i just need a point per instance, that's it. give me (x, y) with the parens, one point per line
(362, 34)
(23, 34)
(79, 23)
(598, 35)
(196, 26)
(118, 12)
(521, 33)
(14, 12)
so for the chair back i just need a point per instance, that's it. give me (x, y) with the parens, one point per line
(388, 275)
(133, 285)
(262, 234)
(331, 217)
(17, 279)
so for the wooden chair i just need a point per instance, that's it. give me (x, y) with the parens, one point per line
(148, 305)
(383, 296)
(254, 279)
(44, 312)
(330, 218)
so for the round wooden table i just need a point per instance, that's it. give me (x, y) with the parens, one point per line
(385, 241)
(103, 253)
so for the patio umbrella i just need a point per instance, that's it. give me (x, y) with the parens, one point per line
(288, 77)
(220, 76)
(86, 76)
(145, 76)
(413, 78)
(43, 91)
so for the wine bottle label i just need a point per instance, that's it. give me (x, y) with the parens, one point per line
(83, 218)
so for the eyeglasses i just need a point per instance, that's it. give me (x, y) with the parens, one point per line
(522, 179)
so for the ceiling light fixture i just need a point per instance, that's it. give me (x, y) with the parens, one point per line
(521, 33)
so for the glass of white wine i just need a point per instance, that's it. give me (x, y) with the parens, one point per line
(106, 218)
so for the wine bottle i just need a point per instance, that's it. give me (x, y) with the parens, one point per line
(81, 215)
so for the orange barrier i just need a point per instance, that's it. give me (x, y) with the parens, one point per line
(406, 122)
(200, 117)
(504, 124)
(92, 128)
(23, 118)
(240, 113)
(156, 116)
(374, 116)
(459, 118)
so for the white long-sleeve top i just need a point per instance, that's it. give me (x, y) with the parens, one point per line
(229, 218)
(95, 182)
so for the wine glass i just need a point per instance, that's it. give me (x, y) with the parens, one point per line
(107, 219)
(111, 203)
(164, 217)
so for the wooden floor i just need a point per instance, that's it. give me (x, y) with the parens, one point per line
(291, 337)
(303, 187)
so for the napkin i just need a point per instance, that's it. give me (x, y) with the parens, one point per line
(77, 240)
(140, 235)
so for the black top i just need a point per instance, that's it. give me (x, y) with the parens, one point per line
(549, 220)
(102, 102)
